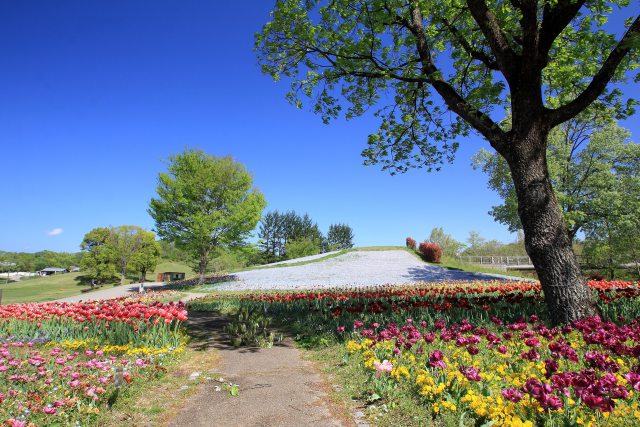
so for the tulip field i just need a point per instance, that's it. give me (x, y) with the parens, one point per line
(472, 353)
(64, 363)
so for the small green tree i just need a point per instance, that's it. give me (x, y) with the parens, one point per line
(146, 257)
(450, 246)
(339, 236)
(99, 261)
(205, 202)
(125, 242)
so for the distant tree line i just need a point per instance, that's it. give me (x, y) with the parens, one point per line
(475, 245)
(288, 235)
(37, 261)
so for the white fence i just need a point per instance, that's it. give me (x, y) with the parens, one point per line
(496, 260)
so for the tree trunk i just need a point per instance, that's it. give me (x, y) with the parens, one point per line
(546, 237)
(202, 266)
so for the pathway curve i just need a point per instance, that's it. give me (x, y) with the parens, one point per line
(276, 386)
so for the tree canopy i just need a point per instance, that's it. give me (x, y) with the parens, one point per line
(435, 57)
(589, 170)
(205, 202)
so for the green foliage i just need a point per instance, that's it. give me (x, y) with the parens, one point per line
(302, 247)
(479, 246)
(23, 261)
(147, 255)
(278, 229)
(169, 251)
(99, 260)
(585, 166)
(233, 258)
(450, 246)
(205, 202)
(129, 241)
(340, 236)
(345, 57)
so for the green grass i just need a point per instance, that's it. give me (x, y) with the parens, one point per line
(65, 285)
(295, 264)
(171, 266)
(43, 289)
(454, 264)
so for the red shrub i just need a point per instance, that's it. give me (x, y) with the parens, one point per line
(410, 243)
(431, 252)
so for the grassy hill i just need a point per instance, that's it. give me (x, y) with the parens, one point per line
(171, 266)
(43, 288)
(64, 285)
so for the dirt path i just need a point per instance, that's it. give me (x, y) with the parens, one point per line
(276, 386)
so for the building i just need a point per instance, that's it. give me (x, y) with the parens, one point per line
(169, 276)
(50, 270)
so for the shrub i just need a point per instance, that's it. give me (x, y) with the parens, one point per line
(431, 252)
(302, 247)
(410, 243)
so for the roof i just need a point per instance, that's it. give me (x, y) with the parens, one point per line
(55, 270)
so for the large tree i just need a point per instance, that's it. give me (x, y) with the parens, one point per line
(205, 202)
(442, 68)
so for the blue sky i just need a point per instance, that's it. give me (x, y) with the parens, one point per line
(94, 96)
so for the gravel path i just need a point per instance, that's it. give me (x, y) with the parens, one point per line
(359, 268)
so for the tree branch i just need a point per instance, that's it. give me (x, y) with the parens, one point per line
(473, 53)
(554, 20)
(477, 119)
(490, 27)
(599, 81)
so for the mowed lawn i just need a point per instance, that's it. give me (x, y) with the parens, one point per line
(43, 288)
(65, 285)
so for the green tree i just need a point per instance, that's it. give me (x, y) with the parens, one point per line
(450, 246)
(205, 202)
(99, 261)
(146, 256)
(584, 164)
(125, 241)
(339, 236)
(277, 229)
(479, 246)
(613, 236)
(543, 61)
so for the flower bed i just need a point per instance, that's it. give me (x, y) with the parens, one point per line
(478, 353)
(62, 363)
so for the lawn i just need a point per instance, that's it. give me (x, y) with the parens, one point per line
(43, 288)
(166, 266)
(58, 286)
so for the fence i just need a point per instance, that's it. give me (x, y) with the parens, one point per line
(496, 260)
